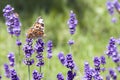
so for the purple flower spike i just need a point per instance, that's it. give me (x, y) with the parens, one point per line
(117, 5)
(103, 60)
(7, 70)
(36, 75)
(12, 21)
(72, 23)
(7, 11)
(69, 61)
(18, 42)
(14, 75)
(40, 60)
(111, 49)
(71, 42)
(11, 58)
(0, 77)
(114, 20)
(110, 7)
(118, 69)
(61, 57)
(113, 74)
(70, 75)
(29, 62)
(107, 77)
(49, 49)
(17, 31)
(39, 46)
(60, 76)
(87, 71)
(28, 49)
(96, 62)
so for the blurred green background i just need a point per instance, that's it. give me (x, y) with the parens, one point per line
(91, 38)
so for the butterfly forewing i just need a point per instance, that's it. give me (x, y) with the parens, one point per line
(37, 30)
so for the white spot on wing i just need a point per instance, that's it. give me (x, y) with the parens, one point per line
(40, 21)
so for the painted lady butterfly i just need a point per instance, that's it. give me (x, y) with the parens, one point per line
(37, 30)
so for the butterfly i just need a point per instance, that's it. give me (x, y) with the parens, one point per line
(37, 30)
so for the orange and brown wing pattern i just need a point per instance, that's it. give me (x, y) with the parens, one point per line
(37, 30)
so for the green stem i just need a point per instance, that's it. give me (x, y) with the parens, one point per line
(29, 72)
(19, 53)
(70, 51)
(11, 36)
(48, 68)
(70, 47)
(19, 50)
(40, 69)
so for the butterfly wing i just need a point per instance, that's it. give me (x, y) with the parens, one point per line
(37, 30)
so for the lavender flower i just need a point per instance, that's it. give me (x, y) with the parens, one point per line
(111, 49)
(40, 60)
(49, 49)
(95, 74)
(7, 70)
(114, 20)
(103, 69)
(72, 23)
(88, 71)
(113, 74)
(27, 48)
(14, 75)
(61, 57)
(11, 58)
(7, 11)
(103, 60)
(110, 7)
(60, 76)
(18, 42)
(118, 41)
(116, 5)
(98, 77)
(39, 48)
(107, 77)
(17, 25)
(36, 75)
(118, 68)
(0, 77)
(71, 42)
(12, 21)
(29, 62)
(96, 62)
(116, 59)
(70, 75)
(69, 62)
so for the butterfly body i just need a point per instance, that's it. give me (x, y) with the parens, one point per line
(37, 30)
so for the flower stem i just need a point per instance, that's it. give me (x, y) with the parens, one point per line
(40, 69)
(11, 35)
(48, 67)
(19, 53)
(19, 50)
(70, 51)
(70, 46)
(29, 72)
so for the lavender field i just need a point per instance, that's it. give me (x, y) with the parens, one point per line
(59, 40)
